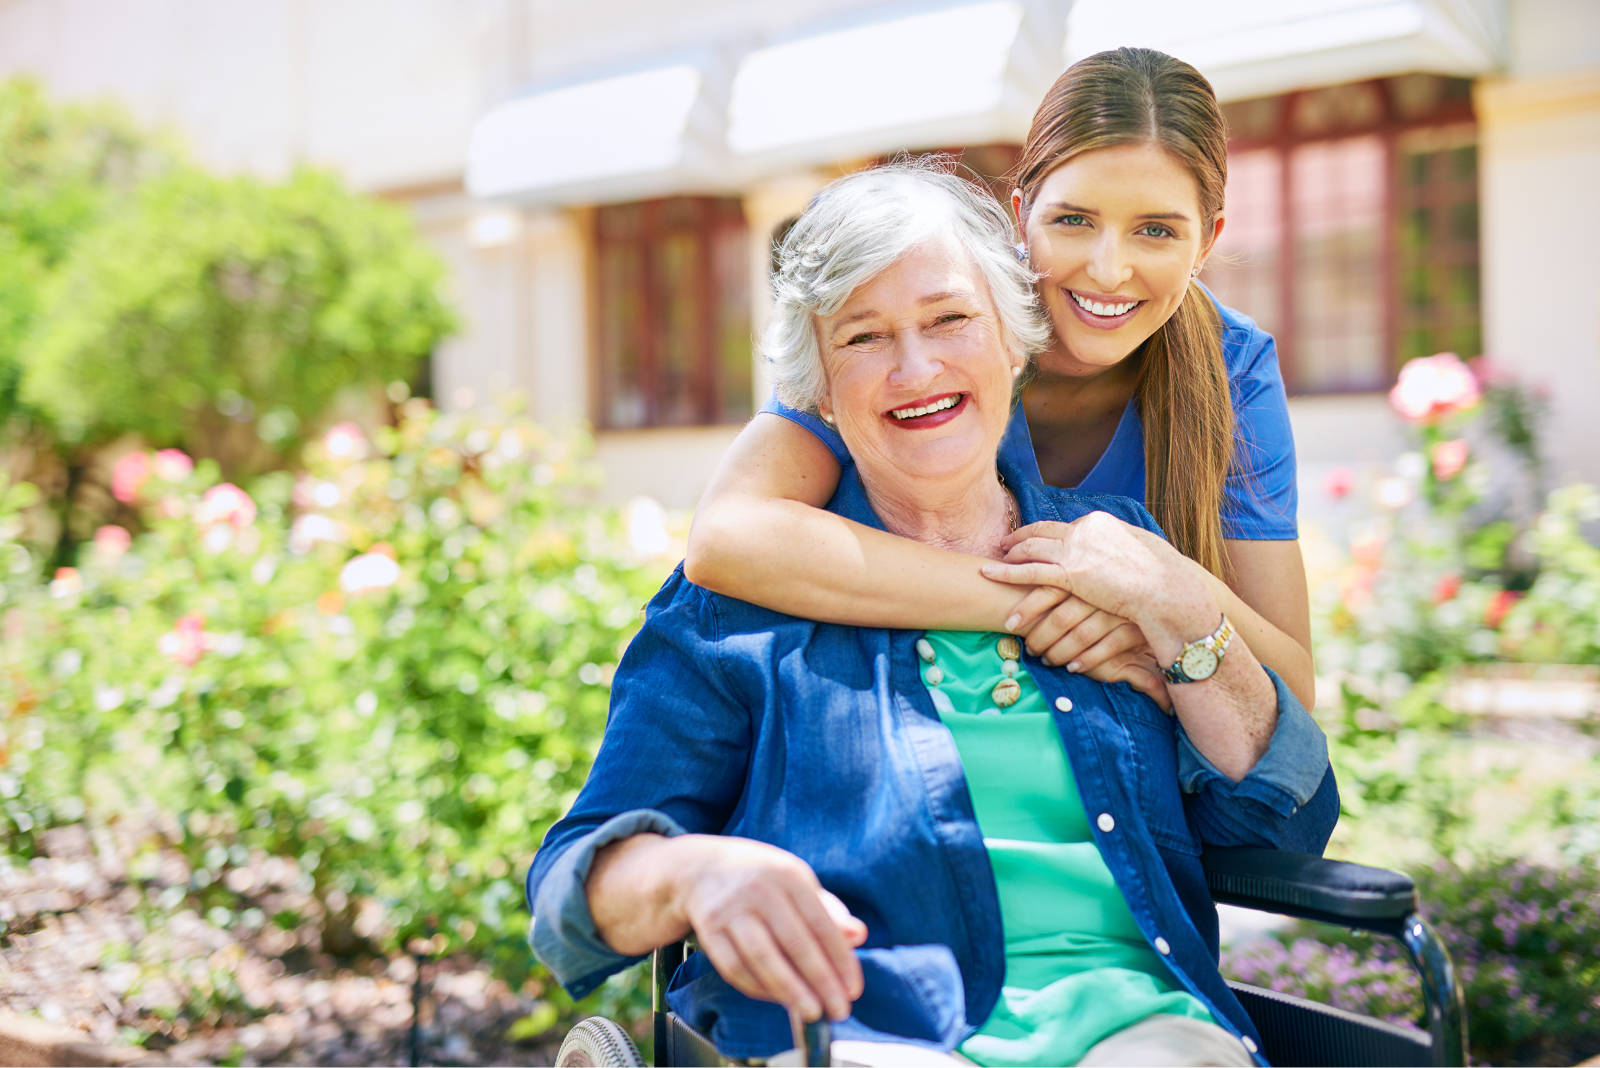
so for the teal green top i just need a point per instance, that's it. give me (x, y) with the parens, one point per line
(1078, 969)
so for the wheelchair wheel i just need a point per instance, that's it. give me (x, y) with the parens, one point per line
(600, 1043)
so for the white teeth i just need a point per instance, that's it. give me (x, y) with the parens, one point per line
(1094, 307)
(936, 406)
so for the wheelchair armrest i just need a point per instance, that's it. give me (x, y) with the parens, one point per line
(1311, 888)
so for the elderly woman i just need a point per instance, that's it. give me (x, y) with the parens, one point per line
(932, 837)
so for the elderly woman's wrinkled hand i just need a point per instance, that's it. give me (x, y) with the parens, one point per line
(769, 927)
(1121, 572)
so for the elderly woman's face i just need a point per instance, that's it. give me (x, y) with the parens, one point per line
(919, 375)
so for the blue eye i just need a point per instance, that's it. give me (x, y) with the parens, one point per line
(1153, 230)
(1074, 220)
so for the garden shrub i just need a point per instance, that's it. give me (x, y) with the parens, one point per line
(1525, 940)
(209, 304)
(392, 669)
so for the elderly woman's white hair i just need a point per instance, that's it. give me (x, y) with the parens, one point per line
(858, 227)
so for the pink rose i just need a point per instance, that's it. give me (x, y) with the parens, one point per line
(173, 465)
(128, 474)
(186, 641)
(226, 503)
(112, 541)
(1432, 387)
(1449, 457)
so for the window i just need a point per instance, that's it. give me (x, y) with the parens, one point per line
(1352, 230)
(673, 309)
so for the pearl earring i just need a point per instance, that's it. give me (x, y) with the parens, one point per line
(1195, 273)
(1016, 372)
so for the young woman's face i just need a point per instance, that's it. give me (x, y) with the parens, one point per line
(1114, 233)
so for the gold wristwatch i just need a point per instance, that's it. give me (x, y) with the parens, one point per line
(1200, 658)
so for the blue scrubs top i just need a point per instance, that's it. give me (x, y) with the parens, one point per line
(1260, 497)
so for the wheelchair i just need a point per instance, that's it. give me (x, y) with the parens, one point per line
(1293, 1031)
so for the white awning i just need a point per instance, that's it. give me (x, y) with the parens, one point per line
(621, 138)
(963, 75)
(1249, 48)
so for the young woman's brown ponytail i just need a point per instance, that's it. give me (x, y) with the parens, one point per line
(1139, 96)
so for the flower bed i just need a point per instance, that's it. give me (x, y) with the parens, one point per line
(1525, 940)
(381, 679)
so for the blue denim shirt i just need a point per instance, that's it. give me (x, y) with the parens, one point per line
(727, 718)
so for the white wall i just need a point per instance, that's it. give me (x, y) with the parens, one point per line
(1539, 165)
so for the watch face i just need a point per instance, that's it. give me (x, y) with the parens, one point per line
(1199, 662)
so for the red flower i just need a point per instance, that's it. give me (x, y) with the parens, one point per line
(1446, 588)
(1339, 483)
(1499, 605)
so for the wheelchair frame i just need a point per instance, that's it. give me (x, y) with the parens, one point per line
(1294, 1031)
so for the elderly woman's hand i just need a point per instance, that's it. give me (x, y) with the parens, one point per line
(760, 915)
(1126, 572)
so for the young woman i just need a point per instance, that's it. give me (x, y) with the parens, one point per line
(1150, 390)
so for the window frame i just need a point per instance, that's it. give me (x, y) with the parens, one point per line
(714, 217)
(1391, 127)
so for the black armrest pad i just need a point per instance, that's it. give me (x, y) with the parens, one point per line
(1297, 884)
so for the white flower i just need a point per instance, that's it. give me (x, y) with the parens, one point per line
(345, 442)
(369, 571)
(646, 524)
(311, 528)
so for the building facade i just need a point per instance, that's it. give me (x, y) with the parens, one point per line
(605, 181)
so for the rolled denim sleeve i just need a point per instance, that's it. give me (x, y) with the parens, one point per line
(672, 762)
(563, 933)
(1289, 800)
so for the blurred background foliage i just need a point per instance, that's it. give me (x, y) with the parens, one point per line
(143, 296)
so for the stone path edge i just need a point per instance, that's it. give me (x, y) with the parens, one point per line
(26, 1042)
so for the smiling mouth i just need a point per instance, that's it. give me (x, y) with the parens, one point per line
(1107, 311)
(943, 404)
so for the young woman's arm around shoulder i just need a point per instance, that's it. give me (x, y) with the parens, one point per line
(761, 534)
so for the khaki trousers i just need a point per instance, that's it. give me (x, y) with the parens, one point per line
(1160, 1041)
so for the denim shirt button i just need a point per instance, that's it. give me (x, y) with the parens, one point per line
(1106, 823)
(1063, 704)
(1248, 1043)
(1162, 946)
